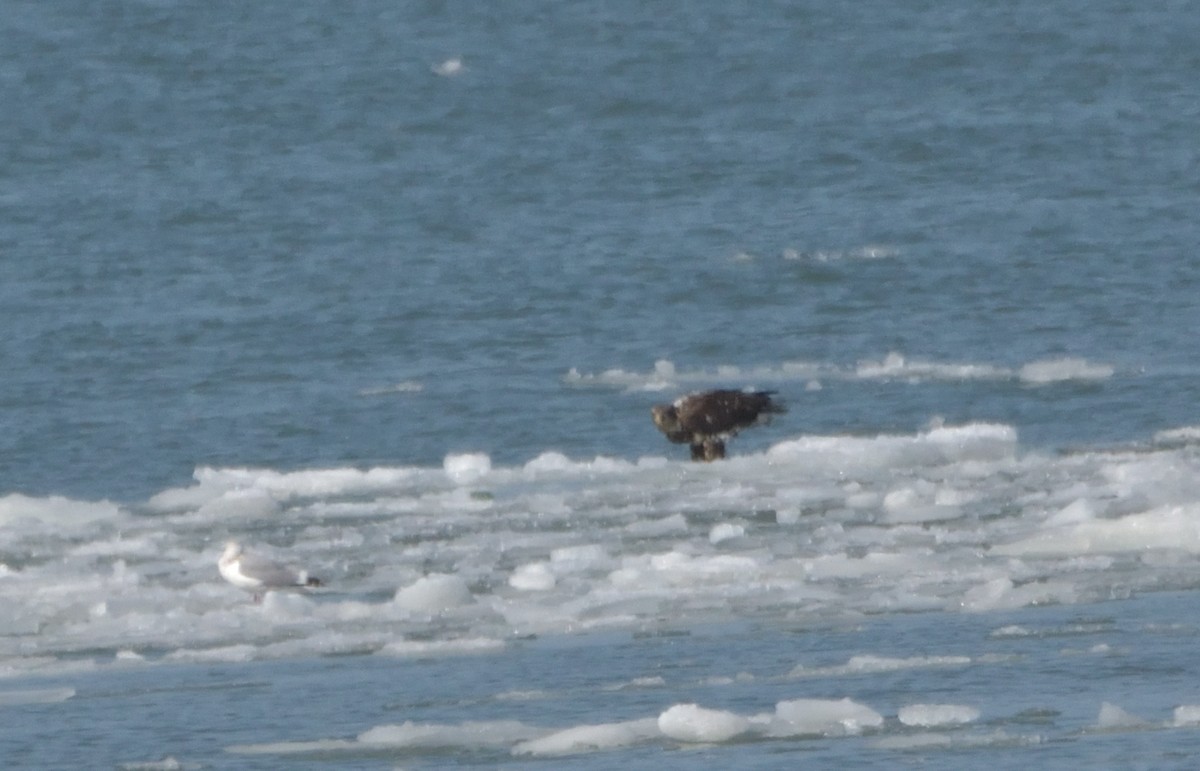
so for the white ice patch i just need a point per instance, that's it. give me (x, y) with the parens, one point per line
(591, 738)
(467, 468)
(937, 715)
(18, 698)
(440, 648)
(469, 735)
(1003, 594)
(403, 387)
(822, 717)
(1187, 715)
(23, 511)
(1112, 717)
(692, 723)
(472, 735)
(247, 505)
(726, 531)
(869, 664)
(1172, 527)
(894, 366)
(952, 518)
(449, 68)
(1060, 370)
(687, 724)
(433, 594)
(1178, 436)
(166, 764)
(534, 577)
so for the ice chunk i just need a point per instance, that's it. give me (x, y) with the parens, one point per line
(1003, 594)
(433, 594)
(588, 738)
(35, 696)
(1187, 714)
(422, 648)
(324, 746)
(578, 559)
(458, 736)
(166, 764)
(1058, 370)
(1168, 527)
(55, 510)
(467, 468)
(692, 723)
(449, 68)
(822, 717)
(249, 504)
(868, 664)
(932, 715)
(550, 462)
(1112, 716)
(725, 531)
(534, 577)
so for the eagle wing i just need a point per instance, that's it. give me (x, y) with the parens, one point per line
(725, 411)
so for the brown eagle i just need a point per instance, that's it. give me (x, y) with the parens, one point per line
(706, 419)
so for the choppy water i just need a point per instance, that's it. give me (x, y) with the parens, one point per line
(387, 291)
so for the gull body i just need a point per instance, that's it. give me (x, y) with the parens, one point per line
(257, 574)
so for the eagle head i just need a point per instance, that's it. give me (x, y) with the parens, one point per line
(665, 417)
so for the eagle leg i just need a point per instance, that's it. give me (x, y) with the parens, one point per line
(708, 450)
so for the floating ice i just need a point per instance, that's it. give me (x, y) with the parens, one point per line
(870, 252)
(35, 696)
(725, 531)
(894, 366)
(535, 577)
(1172, 527)
(403, 387)
(1187, 715)
(438, 648)
(935, 715)
(1113, 717)
(166, 764)
(467, 468)
(954, 517)
(1003, 594)
(449, 68)
(691, 723)
(1060, 370)
(472, 734)
(822, 717)
(868, 664)
(434, 594)
(18, 510)
(589, 738)
(1178, 436)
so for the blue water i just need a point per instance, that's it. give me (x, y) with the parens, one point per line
(223, 223)
(188, 715)
(296, 236)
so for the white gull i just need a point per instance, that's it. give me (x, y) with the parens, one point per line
(256, 573)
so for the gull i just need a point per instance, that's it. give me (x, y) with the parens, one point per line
(257, 573)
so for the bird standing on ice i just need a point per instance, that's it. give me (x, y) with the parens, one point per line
(259, 574)
(706, 419)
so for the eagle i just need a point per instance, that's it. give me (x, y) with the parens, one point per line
(706, 419)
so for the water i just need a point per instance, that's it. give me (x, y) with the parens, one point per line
(388, 291)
